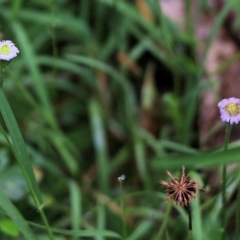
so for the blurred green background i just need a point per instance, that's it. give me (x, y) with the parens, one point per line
(103, 88)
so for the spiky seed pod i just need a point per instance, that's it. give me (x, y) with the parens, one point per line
(182, 191)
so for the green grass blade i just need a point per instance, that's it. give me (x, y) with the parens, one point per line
(75, 196)
(16, 216)
(100, 143)
(140, 156)
(129, 100)
(59, 142)
(198, 230)
(202, 160)
(101, 219)
(30, 60)
(142, 230)
(19, 147)
(81, 233)
(22, 156)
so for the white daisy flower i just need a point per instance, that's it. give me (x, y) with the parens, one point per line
(8, 50)
(230, 110)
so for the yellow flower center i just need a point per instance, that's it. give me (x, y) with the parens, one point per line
(233, 109)
(5, 49)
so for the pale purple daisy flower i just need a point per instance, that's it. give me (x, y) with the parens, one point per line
(8, 50)
(230, 110)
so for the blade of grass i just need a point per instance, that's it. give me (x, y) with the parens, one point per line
(19, 148)
(101, 218)
(133, 15)
(139, 150)
(41, 91)
(129, 101)
(197, 231)
(120, 158)
(52, 9)
(16, 6)
(97, 64)
(82, 233)
(197, 160)
(16, 216)
(60, 143)
(164, 221)
(65, 65)
(22, 156)
(75, 197)
(100, 144)
(141, 230)
(65, 147)
(30, 60)
(63, 20)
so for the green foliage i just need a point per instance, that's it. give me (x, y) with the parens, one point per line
(74, 119)
(9, 228)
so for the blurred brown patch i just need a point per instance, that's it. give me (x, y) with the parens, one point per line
(221, 81)
(144, 10)
(124, 59)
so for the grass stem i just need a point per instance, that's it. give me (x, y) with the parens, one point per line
(224, 180)
(124, 233)
(237, 226)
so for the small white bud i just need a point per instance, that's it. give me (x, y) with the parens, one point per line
(121, 178)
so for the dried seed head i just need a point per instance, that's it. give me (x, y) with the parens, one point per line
(182, 191)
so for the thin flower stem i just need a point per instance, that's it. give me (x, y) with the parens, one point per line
(2, 73)
(123, 212)
(227, 136)
(3, 65)
(224, 180)
(238, 213)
